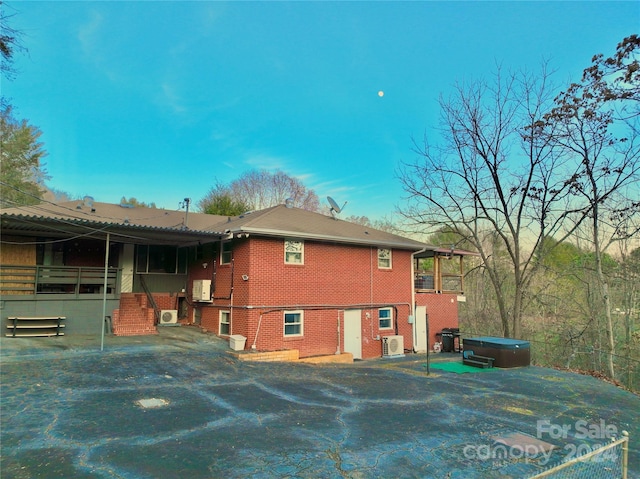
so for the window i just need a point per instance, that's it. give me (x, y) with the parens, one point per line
(161, 259)
(225, 253)
(385, 318)
(384, 258)
(293, 323)
(225, 324)
(293, 252)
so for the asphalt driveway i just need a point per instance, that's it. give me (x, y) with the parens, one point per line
(178, 406)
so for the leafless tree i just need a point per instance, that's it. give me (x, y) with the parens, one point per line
(259, 189)
(495, 180)
(10, 43)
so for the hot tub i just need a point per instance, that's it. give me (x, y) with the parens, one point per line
(506, 352)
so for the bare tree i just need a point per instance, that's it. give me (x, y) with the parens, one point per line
(594, 124)
(383, 224)
(495, 180)
(9, 44)
(259, 189)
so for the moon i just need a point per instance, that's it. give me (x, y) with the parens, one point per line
(380, 93)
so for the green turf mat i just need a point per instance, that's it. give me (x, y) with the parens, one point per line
(457, 367)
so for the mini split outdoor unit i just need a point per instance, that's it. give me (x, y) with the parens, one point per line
(202, 290)
(392, 346)
(168, 316)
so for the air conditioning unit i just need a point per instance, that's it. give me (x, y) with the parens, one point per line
(169, 316)
(392, 346)
(202, 290)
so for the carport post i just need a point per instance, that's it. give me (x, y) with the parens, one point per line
(104, 294)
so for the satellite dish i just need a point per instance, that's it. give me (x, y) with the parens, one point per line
(334, 206)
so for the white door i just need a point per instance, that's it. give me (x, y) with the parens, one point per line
(353, 332)
(126, 263)
(420, 330)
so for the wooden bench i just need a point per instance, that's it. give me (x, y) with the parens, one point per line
(34, 326)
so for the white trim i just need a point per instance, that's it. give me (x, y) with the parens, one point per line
(390, 318)
(220, 322)
(301, 323)
(382, 250)
(293, 248)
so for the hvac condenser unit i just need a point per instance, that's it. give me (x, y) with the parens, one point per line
(168, 316)
(202, 290)
(392, 346)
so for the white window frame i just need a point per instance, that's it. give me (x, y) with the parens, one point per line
(300, 323)
(224, 313)
(293, 251)
(384, 258)
(389, 318)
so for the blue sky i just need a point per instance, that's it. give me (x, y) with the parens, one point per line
(158, 100)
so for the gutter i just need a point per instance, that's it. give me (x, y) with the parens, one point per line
(332, 238)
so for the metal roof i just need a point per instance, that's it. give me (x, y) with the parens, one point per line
(122, 222)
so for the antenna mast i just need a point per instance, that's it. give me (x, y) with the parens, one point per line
(185, 204)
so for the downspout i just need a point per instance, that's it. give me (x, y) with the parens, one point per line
(371, 275)
(413, 299)
(231, 299)
(104, 293)
(338, 347)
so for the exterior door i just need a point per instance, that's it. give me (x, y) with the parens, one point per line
(420, 331)
(127, 261)
(353, 332)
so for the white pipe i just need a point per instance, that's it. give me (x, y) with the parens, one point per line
(338, 348)
(255, 339)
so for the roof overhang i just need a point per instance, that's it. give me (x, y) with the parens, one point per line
(409, 245)
(15, 225)
(438, 251)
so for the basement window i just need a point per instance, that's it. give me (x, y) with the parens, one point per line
(385, 318)
(293, 322)
(225, 323)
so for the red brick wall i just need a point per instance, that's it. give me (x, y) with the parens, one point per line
(332, 278)
(442, 310)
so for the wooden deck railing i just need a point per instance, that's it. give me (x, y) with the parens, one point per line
(449, 283)
(27, 280)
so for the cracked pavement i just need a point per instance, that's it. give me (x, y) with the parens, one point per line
(72, 411)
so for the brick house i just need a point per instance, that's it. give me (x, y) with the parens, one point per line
(283, 278)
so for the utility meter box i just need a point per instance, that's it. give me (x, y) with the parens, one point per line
(202, 290)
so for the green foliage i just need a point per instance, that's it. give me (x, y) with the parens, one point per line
(223, 204)
(21, 176)
(558, 256)
(134, 202)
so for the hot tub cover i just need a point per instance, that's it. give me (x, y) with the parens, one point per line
(497, 343)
